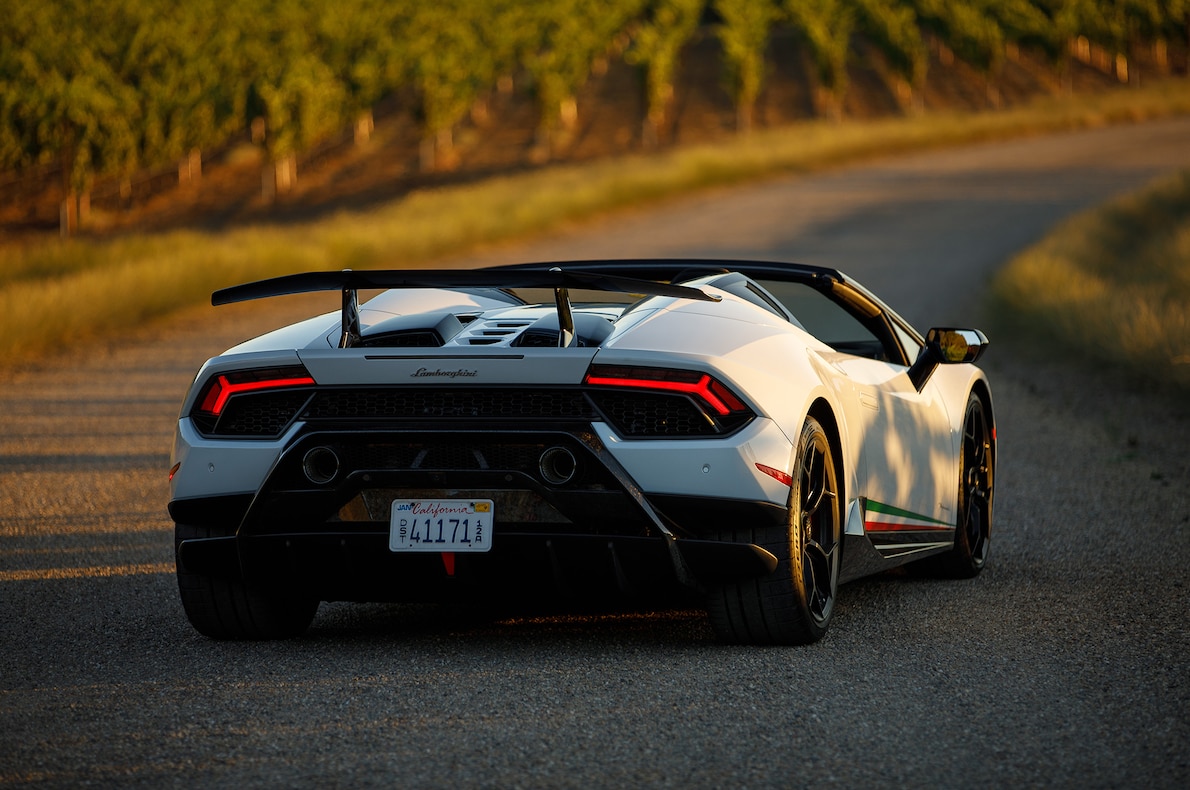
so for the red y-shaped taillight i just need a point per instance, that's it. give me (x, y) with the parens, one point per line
(220, 388)
(709, 390)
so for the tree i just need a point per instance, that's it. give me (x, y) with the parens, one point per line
(1023, 22)
(451, 65)
(512, 33)
(365, 44)
(1142, 22)
(569, 37)
(968, 32)
(63, 101)
(301, 100)
(892, 28)
(825, 26)
(744, 33)
(656, 45)
(177, 60)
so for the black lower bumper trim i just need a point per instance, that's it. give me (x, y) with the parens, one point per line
(359, 566)
(215, 510)
(717, 562)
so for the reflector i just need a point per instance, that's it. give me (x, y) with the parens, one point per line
(776, 474)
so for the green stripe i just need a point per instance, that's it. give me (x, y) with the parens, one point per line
(889, 510)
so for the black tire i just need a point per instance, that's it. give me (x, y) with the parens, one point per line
(227, 608)
(977, 465)
(792, 605)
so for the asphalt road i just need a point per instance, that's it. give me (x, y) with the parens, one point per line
(1065, 663)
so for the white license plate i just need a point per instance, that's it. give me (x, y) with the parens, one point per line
(453, 525)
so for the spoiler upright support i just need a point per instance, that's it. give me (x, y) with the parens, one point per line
(350, 322)
(566, 333)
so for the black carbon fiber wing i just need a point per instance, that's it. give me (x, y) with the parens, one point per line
(350, 281)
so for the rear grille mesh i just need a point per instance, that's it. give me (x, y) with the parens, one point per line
(649, 414)
(434, 455)
(421, 404)
(263, 414)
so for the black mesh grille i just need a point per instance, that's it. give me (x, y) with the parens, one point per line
(423, 404)
(650, 414)
(445, 455)
(264, 414)
(646, 414)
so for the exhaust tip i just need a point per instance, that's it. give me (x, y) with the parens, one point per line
(321, 465)
(557, 466)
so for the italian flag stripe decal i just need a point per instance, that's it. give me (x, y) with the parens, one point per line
(886, 518)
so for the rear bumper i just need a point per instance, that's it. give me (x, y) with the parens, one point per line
(319, 522)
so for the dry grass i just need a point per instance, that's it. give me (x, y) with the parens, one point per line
(112, 285)
(1113, 283)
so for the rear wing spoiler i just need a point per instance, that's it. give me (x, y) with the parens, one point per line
(349, 282)
(678, 269)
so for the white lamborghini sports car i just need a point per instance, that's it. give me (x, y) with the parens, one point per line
(746, 435)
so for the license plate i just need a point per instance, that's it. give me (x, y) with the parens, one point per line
(453, 525)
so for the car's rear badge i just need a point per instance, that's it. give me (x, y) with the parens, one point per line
(438, 373)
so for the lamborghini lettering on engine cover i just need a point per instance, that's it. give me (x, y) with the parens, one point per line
(424, 373)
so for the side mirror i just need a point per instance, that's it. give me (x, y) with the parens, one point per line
(946, 347)
(958, 345)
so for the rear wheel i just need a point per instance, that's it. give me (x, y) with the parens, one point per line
(976, 486)
(227, 608)
(792, 605)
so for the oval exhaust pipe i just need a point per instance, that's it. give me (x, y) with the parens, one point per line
(321, 465)
(557, 466)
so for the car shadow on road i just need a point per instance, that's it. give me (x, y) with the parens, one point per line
(376, 623)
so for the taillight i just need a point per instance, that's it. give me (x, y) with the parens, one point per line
(710, 390)
(222, 387)
(252, 403)
(712, 407)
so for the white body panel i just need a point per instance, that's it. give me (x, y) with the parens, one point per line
(907, 441)
(218, 468)
(699, 467)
